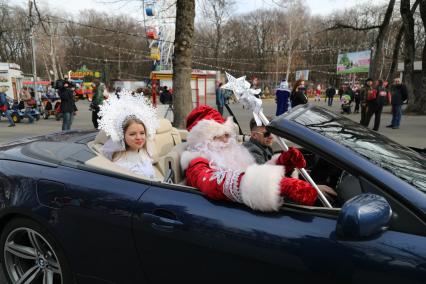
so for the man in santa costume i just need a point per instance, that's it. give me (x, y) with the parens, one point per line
(224, 170)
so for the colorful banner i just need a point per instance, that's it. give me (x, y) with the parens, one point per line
(354, 62)
(302, 74)
(84, 72)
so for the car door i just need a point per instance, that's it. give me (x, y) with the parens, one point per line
(182, 236)
(185, 237)
(93, 220)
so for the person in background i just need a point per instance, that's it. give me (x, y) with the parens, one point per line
(366, 91)
(67, 105)
(375, 103)
(4, 106)
(298, 95)
(32, 93)
(330, 93)
(398, 96)
(318, 93)
(282, 95)
(28, 104)
(357, 97)
(117, 92)
(97, 100)
(165, 96)
(266, 92)
(220, 98)
(347, 90)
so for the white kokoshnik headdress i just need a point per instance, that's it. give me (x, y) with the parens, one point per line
(115, 111)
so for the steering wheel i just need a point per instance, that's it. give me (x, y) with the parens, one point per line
(348, 186)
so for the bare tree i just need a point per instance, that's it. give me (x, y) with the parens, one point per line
(217, 12)
(420, 97)
(378, 50)
(397, 42)
(182, 60)
(14, 36)
(409, 51)
(295, 19)
(366, 24)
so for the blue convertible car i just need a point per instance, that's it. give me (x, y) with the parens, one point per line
(69, 215)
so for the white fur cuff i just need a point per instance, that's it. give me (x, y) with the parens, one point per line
(260, 187)
(274, 159)
(187, 157)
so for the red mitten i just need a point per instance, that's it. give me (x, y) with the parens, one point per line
(291, 159)
(298, 191)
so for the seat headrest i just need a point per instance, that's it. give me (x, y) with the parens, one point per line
(164, 126)
(101, 138)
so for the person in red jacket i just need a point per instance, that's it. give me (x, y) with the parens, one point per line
(222, 169)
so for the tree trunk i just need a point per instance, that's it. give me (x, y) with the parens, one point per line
(409, 52)
(217, 44)
(46, 66)
(52, 54)
(395, 53)
(420, 99)
(398, 43)
(182, 61)
(378, 53)
(290, 50)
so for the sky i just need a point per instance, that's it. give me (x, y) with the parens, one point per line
(317, 7)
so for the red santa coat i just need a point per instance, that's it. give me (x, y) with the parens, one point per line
(260, 187)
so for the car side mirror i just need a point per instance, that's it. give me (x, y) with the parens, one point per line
(363, 215)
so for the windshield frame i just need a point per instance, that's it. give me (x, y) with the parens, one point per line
(297, 128)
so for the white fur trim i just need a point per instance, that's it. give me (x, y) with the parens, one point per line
(260, 187)
(208, 129)
(187, 157)
(273, 160)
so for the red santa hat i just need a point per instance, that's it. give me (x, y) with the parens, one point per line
(204, 123)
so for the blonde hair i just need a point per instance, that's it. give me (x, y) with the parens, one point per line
(126, 123)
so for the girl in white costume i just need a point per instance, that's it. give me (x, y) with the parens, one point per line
(130, 123)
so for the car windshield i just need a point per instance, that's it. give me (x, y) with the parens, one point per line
(402, 161)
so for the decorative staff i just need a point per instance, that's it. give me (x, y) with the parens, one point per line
(246, 95)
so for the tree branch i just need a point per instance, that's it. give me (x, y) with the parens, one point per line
(339, 26)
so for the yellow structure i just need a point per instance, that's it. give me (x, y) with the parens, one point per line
(155, 53)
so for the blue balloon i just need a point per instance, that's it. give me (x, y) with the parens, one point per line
(149, 11)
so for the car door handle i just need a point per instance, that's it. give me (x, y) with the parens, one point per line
(161, 223)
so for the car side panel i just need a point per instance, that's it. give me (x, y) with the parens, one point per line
(89, 214)
(220, 240)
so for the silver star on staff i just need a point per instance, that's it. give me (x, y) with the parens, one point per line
(237, 85)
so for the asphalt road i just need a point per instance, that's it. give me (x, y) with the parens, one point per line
(411, 133)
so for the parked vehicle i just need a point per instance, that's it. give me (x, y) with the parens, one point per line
(51, 106)
(19, 110)
(15, 114)
(71, 215)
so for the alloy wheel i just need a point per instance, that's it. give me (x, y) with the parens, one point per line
(29, 258)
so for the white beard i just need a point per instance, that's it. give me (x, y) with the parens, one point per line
(226, 156)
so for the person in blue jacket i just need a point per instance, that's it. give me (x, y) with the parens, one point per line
(282, 95)
(4, 106)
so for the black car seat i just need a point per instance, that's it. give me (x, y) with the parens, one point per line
(348, 187)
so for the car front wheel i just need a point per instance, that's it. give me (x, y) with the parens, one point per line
(31, 255)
